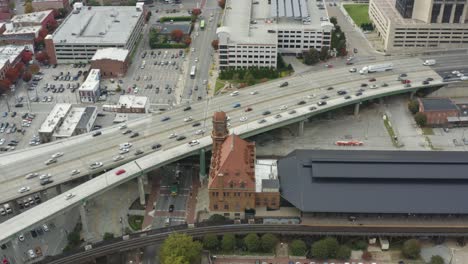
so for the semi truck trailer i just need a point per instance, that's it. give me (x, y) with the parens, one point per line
(376, 68)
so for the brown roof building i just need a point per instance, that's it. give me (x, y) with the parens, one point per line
(438, 111)
(231, 185)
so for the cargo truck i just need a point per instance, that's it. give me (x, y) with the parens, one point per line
(376, 68)
(429, 62)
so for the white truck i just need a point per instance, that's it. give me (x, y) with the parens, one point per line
(429, 62)
(376, 68)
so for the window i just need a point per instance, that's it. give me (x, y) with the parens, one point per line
(226, 207)
(215, 206)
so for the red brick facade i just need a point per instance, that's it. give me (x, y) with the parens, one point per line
(47, 5)
(437, 117)
(111, 68)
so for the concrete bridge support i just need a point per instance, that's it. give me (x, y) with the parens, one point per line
(84, 222)
(58, 189)
(356, 109)
(300, 131)
(381, 101)
(202, 172)
(141, 189)
(412, 95)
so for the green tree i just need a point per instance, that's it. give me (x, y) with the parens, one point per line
(333, 20)
(249, 79)
(108, 236)
(28, 8)
(324, 53)
(413, 106)
(176, 260)
(210, 241)
(420, 119)
(311, 57)
(180, 247)
(298, 248)
(361, 245)
(73, 239)
(437, 260)
(252, 242)
(343, 253)
(216, 218)
(131, 2)
(411, 249)
(269, 242)
(332, 246)
(93, 3)
(228, 243)
(319, 250)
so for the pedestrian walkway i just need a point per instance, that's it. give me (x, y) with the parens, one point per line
(155, 188)
(192, 200)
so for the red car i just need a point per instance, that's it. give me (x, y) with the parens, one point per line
(121, 171)
(372, 80)
(405, 81)
(248, 109)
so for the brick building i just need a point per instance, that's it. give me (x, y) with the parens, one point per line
(40, 5)
(232, 182)
(437, 110)
(112, 62)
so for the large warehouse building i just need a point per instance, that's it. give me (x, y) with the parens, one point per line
(253, 32)
(376, 182)
(420, 24)
(89, 28)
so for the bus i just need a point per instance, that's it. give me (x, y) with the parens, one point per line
(202, 24)
(192, 72)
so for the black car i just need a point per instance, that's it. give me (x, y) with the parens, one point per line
(429, 79)
(97, 133)
(301, 102)
(324, 97)
(425, 82)
(312, 108)
(179, 138)
(266, 113)
(101, 114)
(363, 84)
(18, 105)
(330, 88)
(187, 108)
(33, 233)
(139, 152)
(347, 97)
(171, 208)
(196, 124)
(403, 75)
(284, 84)
(321, 103)
(46, 181)
(134, 135)
(156, 146)
(128, 131)
(341, 92)
(358, 93)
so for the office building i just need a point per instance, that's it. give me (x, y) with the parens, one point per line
(89, 90)
(53, 121)
(79, 120)
(253, 32)
(438, 110)
(112, 62)
(10, 55)
(89, 28)
(412, 25)
(129, 104)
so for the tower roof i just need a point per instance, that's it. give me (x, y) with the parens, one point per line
(219, 116)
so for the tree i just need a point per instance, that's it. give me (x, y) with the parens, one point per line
(210, 241)
(215, 44)
(222, 3)
(411, 249)
(73, 238)
(366, 255)
(187, 40)
(19, 67)
(311, 57)
(252, 242)
(12, 74)
(28, 8)
(4, 85)
(217, 218)
(148, 16)
(93, 3)
(176, 35)
(249, 79)
(108, 236)
(324, 53)
(27, 76)
(361, 245)
(42, 56)
(420, 119)
(269, 242)
(180, 247)
(437, 260)
(413, 106)
(34, 68)
(333, 20)
(298, 248)
(26, 56)
(343, 252)
(332, 246)
(325, 248)
(228, 243)
(62, 12)
(196, 11)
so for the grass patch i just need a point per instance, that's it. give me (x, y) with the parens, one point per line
(219, 85)
(135, 222)
(428, 131)
(359, 13)
(391, 132)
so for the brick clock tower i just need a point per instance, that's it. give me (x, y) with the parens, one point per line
(219, 134)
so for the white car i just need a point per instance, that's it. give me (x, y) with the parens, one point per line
(228, 124)
(68, 196)
(95, 165)
(194, 143)
(234, 93)
(123, 151)
(75, 172)
(50, 161)
(124, 126)
(188, 119)
(199, 132)
(118, 157)
(283, 107)
(173, 135)
(45, 228)
(455, 72)
(45, 176)
(243, 119)
(373, 86)
(57, 155)
(228, 118)
(310, 96)
(193, 49)
(353, 70)
(125, 145)
(24, 189)
(2, 141)
(464, 78)
(31, 175)
(21, 237)
(31, 253)
(253, 92)
(196, 59)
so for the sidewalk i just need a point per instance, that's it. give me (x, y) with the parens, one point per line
(149, 214)
(192, 199)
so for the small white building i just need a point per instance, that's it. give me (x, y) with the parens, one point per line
(79, 120)
(129, 104)
(53, 121)
(89, 91)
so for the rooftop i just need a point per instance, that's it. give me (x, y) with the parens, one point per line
(92, 81)
(438, 104)
(98, 25)
(111, 54)
(9, 53)
(35, 17)
(266, 174)
(70, 122)
(132, 101)
(55, 116)
(18, 30)
(375, 181)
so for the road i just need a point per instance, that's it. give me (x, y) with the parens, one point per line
(78, 154)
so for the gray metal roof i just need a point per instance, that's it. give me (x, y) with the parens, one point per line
(438, 104)
(289, 8)
(363, 181)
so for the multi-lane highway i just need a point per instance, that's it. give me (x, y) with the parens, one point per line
(81, 151)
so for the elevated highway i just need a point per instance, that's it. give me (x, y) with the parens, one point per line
(82, 150)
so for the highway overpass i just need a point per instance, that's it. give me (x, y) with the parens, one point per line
(82, 150)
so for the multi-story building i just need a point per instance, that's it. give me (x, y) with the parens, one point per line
(112, 62)
(79, 120)
(233, 188)
(40, 5)
(253, 32)
(5, 12)
(89, 28)
(420, 24)
(10, 55)
(129, 104)
(90, 90)
(438, 110)
(53, 121)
